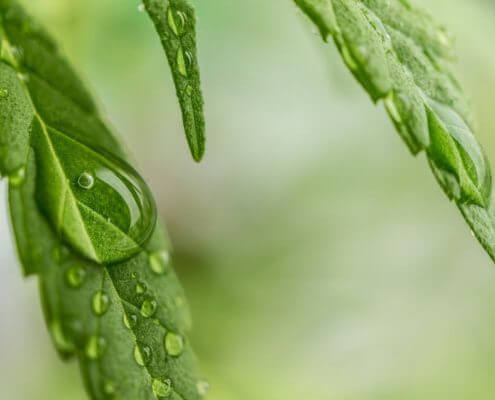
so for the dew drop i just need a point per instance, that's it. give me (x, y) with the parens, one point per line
(142, 355)
(349, 58)
(141, 287)
(202, 387)
(18, 177)
(148, 308)
(176, 21)
(75, 276)
(100, 303)
(181, 62)
(162, 388)
(392, 108)
(130, 321)
(4, 93)
(159, 262)
(86, 181)
(95, 347)
(109, 388)
(61, 341)
(174, 344)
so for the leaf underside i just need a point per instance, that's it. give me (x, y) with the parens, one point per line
(400, 55)
(175, 23)
(114, 318)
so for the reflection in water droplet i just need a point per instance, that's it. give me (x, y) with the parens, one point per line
(130, 321)
(18, 177)
(148, 308)
(176, 21)
(75, 276)
(100, 303)
(4, 93)
(162, 388)
(142, 355)
(95, 347)
(202, 387)
(174, 344)
(86, 181)
(159, 262)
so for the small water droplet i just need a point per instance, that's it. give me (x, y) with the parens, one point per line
(392, 108)
(95, 347)
(202, 387)
(181, 62)
(18, 177)
(141, 7)
(61, 341)
(130, 321)
(100, 303)
(142, 355)
(159, 262)
(176, 21)
(148, 308)
(349, 58)
(4, 93)
(75, 276)
(189, 90)
(86, 181)
(141, 287)
(162, 388)
(109, 388)
(174, 344)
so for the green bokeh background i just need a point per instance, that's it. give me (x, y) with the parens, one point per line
(320, 259)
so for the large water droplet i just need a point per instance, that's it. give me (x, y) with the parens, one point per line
(108, 211)
(162, 388)
(159, 262)
(174, 344)
(202, 387)
(75, 276)
(148, 308)
(18, 177)
(100, 303)
(142, 355)
(176, 21)
(95, 347)
(181, 62)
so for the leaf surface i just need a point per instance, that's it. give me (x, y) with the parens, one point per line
(400, 55)
(126, 321)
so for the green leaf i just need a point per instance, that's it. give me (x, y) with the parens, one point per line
(175, 22)
(118, 319)
(400, 55)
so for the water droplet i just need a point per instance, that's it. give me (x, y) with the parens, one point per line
(118, 211)
(142, 355)
(4, 93)
(95, 347)
(141, 287)
(181, 62)
(189, 90)
(176, 21)
(75, 276)
(202, 387)
(18, 177)
(392, 108)
(159, 262)
(109, 388)
(349, 58)
(100, 303)
(141, 7)
(148, 308)
(130, 321)
(62, 343)
(162, 388)
(86, 181)
(174, 344)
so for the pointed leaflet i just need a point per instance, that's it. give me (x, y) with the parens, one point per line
(175, 22)
(115, 318)
(401, 56)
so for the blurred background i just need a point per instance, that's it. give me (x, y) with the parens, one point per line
(320, 259)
